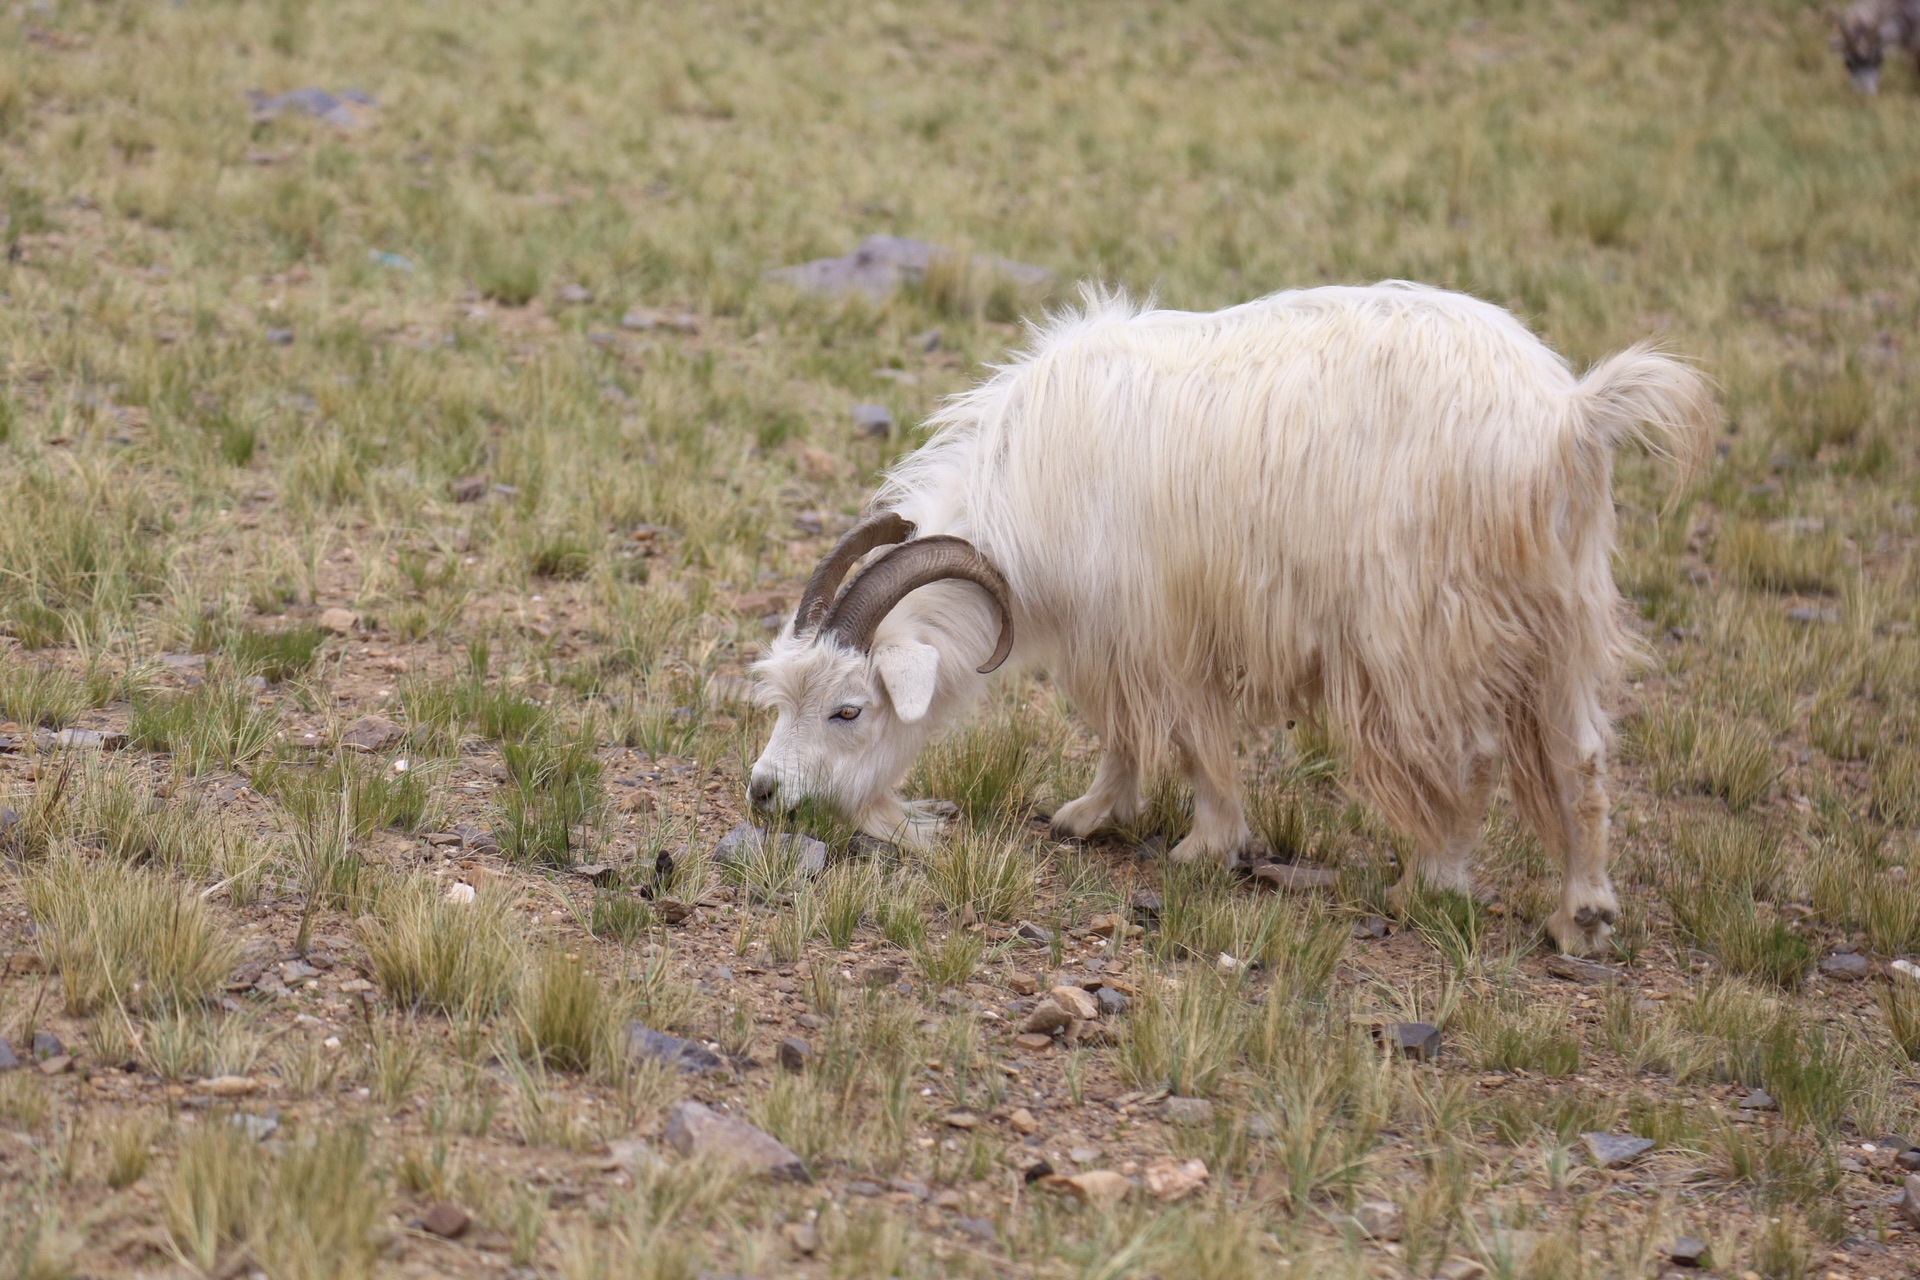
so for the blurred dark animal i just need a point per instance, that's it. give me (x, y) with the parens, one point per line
(1864, 33)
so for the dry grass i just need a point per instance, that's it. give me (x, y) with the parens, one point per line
(255, 370)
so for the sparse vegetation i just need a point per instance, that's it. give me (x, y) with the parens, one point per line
(481, 416)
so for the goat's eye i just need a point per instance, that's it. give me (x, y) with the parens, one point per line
(847, 713)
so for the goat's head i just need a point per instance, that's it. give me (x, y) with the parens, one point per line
(1860, 36)
(857, 689)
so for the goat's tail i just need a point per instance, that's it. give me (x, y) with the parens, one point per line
(1644, 394)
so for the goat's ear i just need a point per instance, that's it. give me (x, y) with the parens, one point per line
(910, 672)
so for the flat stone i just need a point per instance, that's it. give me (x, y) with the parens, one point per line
(575, 294)
(1293, 877)
(1574, 969)
(644, 1042)
(595, 872)
(861, 1187)
(1033, 1040)
(1459, 1269)
(1111, 1002)
(874, 976)
(1031, 932)
(746, 840)
(1846, 967)
(908, 1187)
(298, 973)
(1372, 929)
(1187, 1111)
(1047, 1017)
(9, 1060)
(448, 1221)
(1022, 1122)
(339, 622)
(47, 1045)
(1379, 1219)
(1146, 904)
(88, 740)
(645, 318)
(229, 1086)
(1689, 1251)
(468, 489)
(1758, 1100)
(1809, 615)
(371, 734)
(978, 1230)
(1101, 1188)
(1022, 983)
(1908, 1160)
(793, 1054)
(1905, 970)
(1909, 1203)
(258, 1127)
(804, 1238)
(1075, 1001)
(1171, 1180)
(1417, 1040)
(882, 264)
(694, 1129)
(1613, 1150)
(874, 421)
(58, 1064)
(960, 1120)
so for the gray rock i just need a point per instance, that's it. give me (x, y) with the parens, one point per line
(448, 1221)
(747, 840)
(874, 421)
(1111, 1002)
(977, 1229)
(280, 337)
(1689, 1251)
(1908, 1160)
(88, 739)
(8, 820)
(47, 1045)
(344, 109)
(794, 1054)
(645, 318)
(644, 1042)
(1846, 967)
(1146, 905)
(1293, 878)
(1187, 1111)
(297, 973)
(258, 1127)
(468, 489)
(883, 263)
(1032, 932)
(1758, 1100)
(575, 294)
(1417, 1040)
(8, 1058)
(1909, 1203)
(1613, 1150)
(697, 1130)
(371, 734)
(861, 1187)
(1807, 615)
(1574, 969)
(1372, 929)
(1047, 1018)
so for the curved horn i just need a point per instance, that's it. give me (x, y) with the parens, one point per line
(907, 568)
(875, 531)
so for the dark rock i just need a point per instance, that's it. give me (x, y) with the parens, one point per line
(644, 1042)
(468, 489)
(8, 1058)
(1909, 1202)
(1032, 932)
(1293, 877)
(746, 840)
(1574, 969)
(1417, 1040)
(297, 973)
(8, 820)
(1152, 849)
(930, 341)
(1758, 1100)
(371, 734)
(877, 975)
(977, 1229)
(1689, 1251)
(874, 421)
(907, 1186)
(1372, 928)
(448, 1221)
(1110, 1001)
(794, 1053)
(280, 337)
(1612, 1150)
(1846, 967)
(697, 1130)
(1146, 905)
(883, 263)
(47, 1045)
(1047, 1017)
(1908, 1160)
(596, 872)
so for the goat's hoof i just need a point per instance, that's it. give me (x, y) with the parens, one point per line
(1581, 931)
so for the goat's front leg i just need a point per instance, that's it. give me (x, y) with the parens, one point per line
(1220, 832)
(1114, 796)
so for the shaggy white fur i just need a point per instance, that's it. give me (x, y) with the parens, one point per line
(1387, 509)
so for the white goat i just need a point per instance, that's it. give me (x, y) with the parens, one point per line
(1386, 509)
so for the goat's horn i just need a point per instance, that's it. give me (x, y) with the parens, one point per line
(906, 569)
(875, 531)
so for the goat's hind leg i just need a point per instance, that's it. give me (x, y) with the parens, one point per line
(1443, 858)
(1114, 796)
(1560, 782)
(1220, 831)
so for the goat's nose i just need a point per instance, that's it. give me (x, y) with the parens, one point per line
(760, 791)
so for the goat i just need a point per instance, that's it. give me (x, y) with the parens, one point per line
(1863, 33)
(1383, 509)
